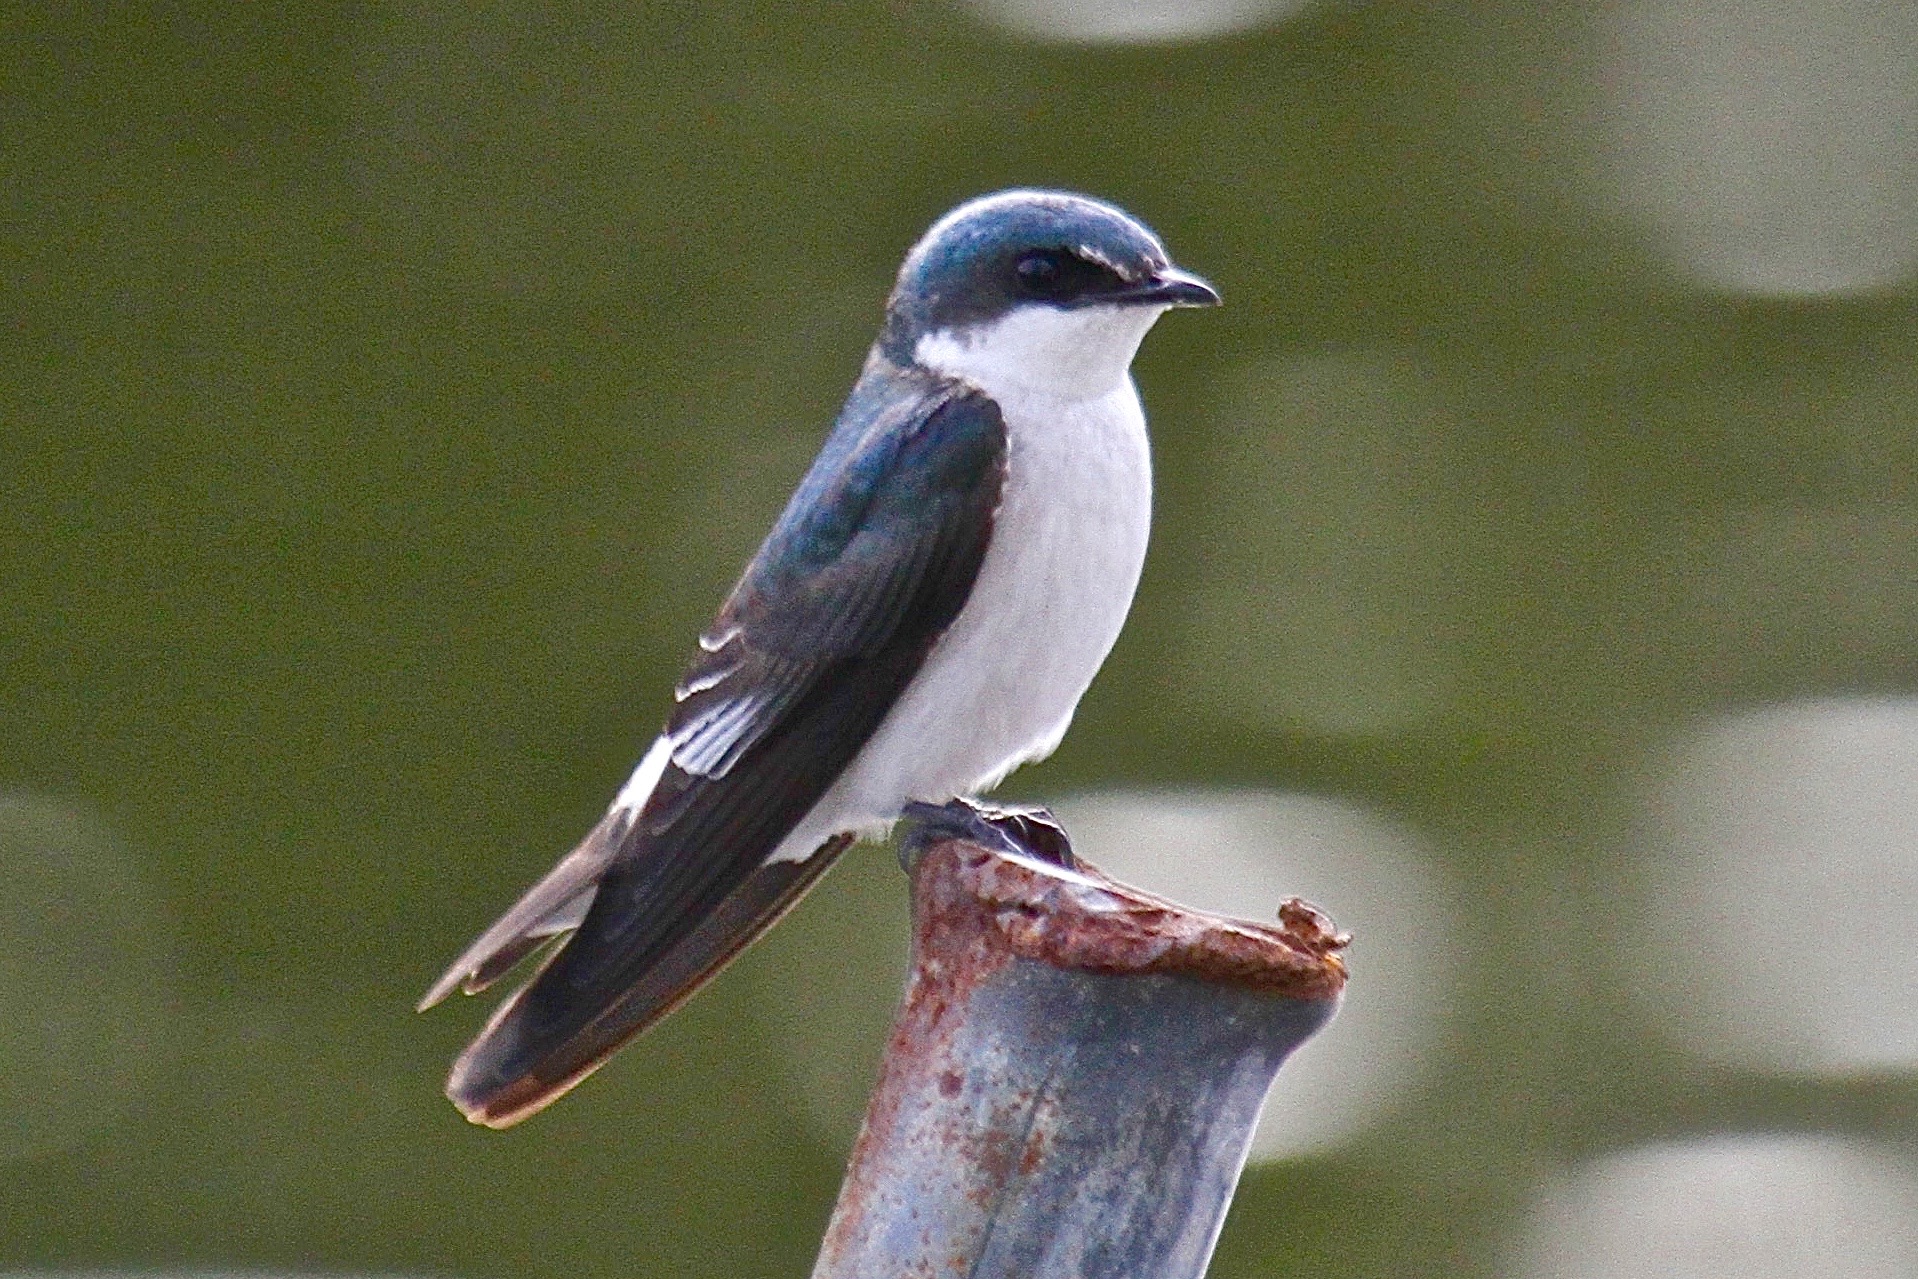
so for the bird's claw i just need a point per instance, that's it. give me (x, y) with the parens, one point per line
(1015, 829)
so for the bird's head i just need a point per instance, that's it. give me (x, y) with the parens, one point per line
(1034, 293)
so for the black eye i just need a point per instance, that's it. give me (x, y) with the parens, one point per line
(1041, 272)
(1061, 276)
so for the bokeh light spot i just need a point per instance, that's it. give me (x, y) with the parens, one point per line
(1242, 853)
(1131, 21)
(1769, 146)
(1757, 1207)
(1783, 885)
(86, 977)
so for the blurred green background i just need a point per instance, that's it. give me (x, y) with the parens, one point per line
(388, 393)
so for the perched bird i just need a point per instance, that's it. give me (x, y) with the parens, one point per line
(923, 618)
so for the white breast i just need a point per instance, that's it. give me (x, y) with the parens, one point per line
(1000, 687)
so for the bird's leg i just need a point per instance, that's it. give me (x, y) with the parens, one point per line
(1017, 829)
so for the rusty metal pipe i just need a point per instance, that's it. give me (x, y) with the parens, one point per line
(1073, 1075)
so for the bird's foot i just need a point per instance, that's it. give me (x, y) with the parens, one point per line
(1026, 832)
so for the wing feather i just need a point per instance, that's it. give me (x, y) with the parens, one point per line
(870, 563)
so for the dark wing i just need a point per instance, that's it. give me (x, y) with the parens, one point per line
(871, 562)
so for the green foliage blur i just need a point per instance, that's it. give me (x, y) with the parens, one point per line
(388, 393)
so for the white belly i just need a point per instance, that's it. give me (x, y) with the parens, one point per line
(1000, 686)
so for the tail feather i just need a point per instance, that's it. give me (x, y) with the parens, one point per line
(522, 1062)
(554, 905)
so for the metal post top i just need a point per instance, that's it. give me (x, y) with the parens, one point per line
(1081, 919)
(1073, 1077)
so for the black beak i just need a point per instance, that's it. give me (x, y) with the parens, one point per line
(1169, 286)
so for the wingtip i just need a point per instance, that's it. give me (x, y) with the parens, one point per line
(494, 1083)
(506, 1107)
(490, 1095)
(481, 1114)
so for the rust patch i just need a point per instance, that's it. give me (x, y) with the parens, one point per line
(954, 951)
(1086, 920)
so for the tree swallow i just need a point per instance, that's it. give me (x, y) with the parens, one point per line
(922, 619)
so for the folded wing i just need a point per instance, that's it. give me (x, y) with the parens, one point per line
(870, 563)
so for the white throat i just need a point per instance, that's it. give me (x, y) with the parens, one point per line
(1077, 354)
